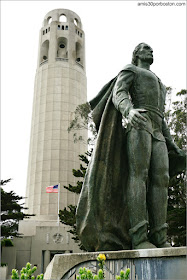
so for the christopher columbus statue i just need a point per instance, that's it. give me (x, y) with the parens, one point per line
(123, 203)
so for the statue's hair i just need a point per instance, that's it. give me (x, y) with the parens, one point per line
(134, 55)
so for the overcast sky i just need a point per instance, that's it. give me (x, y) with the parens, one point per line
(112, 30)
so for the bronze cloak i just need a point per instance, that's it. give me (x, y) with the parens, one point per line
(102, 214)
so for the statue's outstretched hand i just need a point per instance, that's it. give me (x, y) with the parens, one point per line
(135, 118)
(178, 151)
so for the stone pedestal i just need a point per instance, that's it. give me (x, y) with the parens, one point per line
(3, 272)
(149, 264)
(8, 256)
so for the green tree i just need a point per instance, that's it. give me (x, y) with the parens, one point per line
(67, 215)
(176, 119)
(11, 212)
(83, 121)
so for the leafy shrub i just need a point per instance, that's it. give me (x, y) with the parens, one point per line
(3, 264)
(26, 273)
(6, 243)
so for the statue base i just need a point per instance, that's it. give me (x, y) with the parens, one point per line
(145, 264)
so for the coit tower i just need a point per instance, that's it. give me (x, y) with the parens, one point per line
(60, 86)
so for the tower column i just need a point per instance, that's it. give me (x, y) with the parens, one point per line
(46, 258)
(53, 43)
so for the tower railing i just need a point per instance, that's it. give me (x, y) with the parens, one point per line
(80, 64)
(44, 62)
(61, 59)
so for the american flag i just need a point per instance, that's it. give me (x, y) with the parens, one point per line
(52, 189)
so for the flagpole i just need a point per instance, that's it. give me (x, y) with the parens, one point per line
(58, 220)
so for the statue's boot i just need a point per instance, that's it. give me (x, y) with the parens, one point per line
(158, 236)
(139, 236)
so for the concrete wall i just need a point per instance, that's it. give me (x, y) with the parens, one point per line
(3, 272)
(9, 256)
(39, 249)
(149, 264)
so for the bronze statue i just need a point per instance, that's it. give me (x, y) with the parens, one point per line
(123, 203)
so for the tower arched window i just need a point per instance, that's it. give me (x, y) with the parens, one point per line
(62, 47)
(79, 53)
(49, 20)
(62, 18)
(44, 51)
(77, 22)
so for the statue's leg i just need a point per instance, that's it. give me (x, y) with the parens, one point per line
(139, 146)
(157, 194)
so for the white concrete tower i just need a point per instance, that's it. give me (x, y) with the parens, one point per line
(60, 85)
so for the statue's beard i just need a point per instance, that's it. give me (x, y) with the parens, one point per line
(148, 59)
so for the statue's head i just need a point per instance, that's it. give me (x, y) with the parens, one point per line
(144, 52)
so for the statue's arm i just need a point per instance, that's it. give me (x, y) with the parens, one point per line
(122, 100)
(169, 140)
